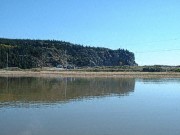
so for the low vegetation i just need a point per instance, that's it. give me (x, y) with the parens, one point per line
(155, 68)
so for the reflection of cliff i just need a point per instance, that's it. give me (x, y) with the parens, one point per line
(61, 89)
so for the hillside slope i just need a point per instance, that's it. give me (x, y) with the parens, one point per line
(25, 53)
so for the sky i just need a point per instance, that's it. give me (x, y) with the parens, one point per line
(149, 28)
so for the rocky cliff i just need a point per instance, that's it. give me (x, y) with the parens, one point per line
(36, 53)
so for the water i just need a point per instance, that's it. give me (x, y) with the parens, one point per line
(89, 106)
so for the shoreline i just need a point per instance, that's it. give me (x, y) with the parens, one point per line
(5, 73)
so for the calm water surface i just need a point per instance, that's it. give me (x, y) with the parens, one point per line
(89, 106)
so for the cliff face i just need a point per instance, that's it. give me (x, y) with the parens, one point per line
(37, 53)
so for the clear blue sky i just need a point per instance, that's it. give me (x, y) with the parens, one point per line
(146, 27)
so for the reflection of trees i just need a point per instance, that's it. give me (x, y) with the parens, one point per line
(61, 89)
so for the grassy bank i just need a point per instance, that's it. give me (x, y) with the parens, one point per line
(118, 71)
(63, 73)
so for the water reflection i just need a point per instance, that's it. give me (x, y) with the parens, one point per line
(15, 91)
(159, 80)
(152, 108)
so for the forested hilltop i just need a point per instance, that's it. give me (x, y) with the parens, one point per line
(25, 53)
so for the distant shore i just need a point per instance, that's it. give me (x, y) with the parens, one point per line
(6, 73)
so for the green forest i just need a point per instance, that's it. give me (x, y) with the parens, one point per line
(26, 53)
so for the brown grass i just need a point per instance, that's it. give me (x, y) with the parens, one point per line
(5, 73)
